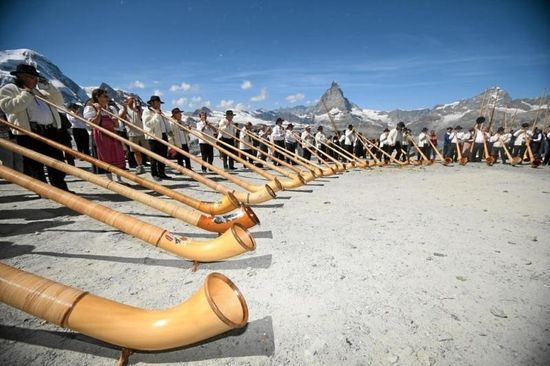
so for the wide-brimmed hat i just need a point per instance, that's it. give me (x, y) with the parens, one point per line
(525, 125)
(480, 120)
(229, 112)
(176, 110)
(25, 69)
(154, 98)
(458, 127)
(401, 124)
(279, 120)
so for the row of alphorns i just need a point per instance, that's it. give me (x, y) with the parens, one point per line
(216, 307)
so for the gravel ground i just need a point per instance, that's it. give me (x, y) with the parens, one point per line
(414, 266)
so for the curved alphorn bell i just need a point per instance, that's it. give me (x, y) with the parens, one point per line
(216, 307)
(233, 242)
(244, 217)
(265, 193)
(227, 204)
(444, 161)
(425, 159)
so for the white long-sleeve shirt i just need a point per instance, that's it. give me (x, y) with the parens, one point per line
(205, 129)
(278, 134)
(383, 139)
(289, 137)
(520, 136)
(422, 139)
(245, 138)
(349, 137)
(320, 139)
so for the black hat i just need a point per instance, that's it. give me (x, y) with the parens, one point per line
(176, 110)
(458, 127)
(480, 120)
(279, 120)
(525, 125)
(449, 128)
(401, 124)
(25, 69)
(386, 129)
(500, 129)
(154, 98)
(229, 112)
(425, 129)
(290, 125)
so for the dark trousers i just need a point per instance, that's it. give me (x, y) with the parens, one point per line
(181, 158)
(35, 169)
(230, 147)
(446, 147)
(452, 152)
(306, 154)
(349, 148)
(263, 154)
(248, 158)
(82, 140)
(157, 167)
(276, 153)
(425, 150)
(207, 154)
(397, 149)
(499, 151)
(519, 151)
(291, 147)
(477, 150)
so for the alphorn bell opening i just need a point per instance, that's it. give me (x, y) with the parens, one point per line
(216, 307)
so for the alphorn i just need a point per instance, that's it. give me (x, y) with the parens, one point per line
(244, 217)
(424, 157)
(296, 179)
(461, 160)
(539, 109)
(227, 204)
(259, 196)
(274, 180)
(235, 241)
(489, 159)
(215, 308)
(366, 142)
(445, 161)
(513, 161)
(401, 163)
(275, 185)
(308, 176)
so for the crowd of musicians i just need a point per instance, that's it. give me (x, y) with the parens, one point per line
(26, 103)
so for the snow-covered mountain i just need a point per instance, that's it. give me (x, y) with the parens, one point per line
(9, 59)
(343, 111)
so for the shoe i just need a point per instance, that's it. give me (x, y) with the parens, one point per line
(166, 177)
(204, 171)
(140, 169)
(232, 168)
(158, 179)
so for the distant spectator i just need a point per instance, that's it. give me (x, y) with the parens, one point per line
(131, 112)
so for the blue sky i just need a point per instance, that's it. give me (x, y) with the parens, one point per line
(269, 54)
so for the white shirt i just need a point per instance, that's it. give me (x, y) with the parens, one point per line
(320, 138)
(180, 135)
(480, 136)
(520, 136)
(383, 139)
(134, 118)
(453, 136)
(76, 123)
(204, 129)
(307, 138)
(422, 139)
(278, 133)
(227, 129)
(497, 139)
(244, 136)
(40, 112)
(289, 137)
(349, 138)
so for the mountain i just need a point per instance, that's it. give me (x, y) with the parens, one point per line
(9, 59)
(342, 111)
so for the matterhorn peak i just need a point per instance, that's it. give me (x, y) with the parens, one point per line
(332, 98)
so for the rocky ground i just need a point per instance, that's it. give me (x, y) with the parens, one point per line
(414, 266)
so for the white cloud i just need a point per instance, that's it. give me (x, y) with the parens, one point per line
(183, 86)
(196, 99)
(158, 93)
(207, 103)
(179, 102)
(247, 84)
(295, 97)
(138, 84)
(260, 97)
(226, 103)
